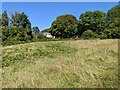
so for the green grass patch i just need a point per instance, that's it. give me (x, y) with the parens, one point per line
(61, 64)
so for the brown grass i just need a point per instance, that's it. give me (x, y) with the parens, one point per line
(91, 63)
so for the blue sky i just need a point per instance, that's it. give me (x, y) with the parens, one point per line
(42, 14)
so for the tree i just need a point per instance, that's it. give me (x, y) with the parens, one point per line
(65, 26)
(94, 21)
(24, 21)
(36, 30)
(5, 19)
(113, 17)
(46, 30)
(20, 20)
(113, 24)
(0, 20)
(112, 33)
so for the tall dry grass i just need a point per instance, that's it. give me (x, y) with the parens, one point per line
(66, 64)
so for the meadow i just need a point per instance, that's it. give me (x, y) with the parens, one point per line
(61, 64)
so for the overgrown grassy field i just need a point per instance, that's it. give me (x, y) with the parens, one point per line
(66, 64)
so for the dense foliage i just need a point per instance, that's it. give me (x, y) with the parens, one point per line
(17, 29)
(5, 19)
(65, 26)
(102, 25)
(36, 29)
(89, 34)
(20, 20)
(91, 24)
(94, 21)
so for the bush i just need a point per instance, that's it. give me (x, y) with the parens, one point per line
(89, 34)
(107, 33)
(5, 33)
(115, 33)
(112, 33)
(102, 36)
(41, 36)
(15, 35)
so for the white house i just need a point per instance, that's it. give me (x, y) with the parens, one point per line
(48, 35)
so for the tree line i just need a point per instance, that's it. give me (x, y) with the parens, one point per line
(91, 24)
(96, 24)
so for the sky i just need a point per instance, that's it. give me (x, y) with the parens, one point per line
(42, 14)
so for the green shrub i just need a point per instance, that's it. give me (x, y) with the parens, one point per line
(115, 33)
(41, 36)
(15, 35)
(5, 33)
(112, 33)
(102, 36)
(22, 36)
(89, 34)
(107, 33)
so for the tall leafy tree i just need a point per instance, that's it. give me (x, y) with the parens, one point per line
(15, 19)
(65, 26)
(94, 21)
(113, 23)
(20, 20)
(113, 17)
(5, 19)
(24, 21)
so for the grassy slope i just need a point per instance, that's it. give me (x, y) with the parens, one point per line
(80, 63)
